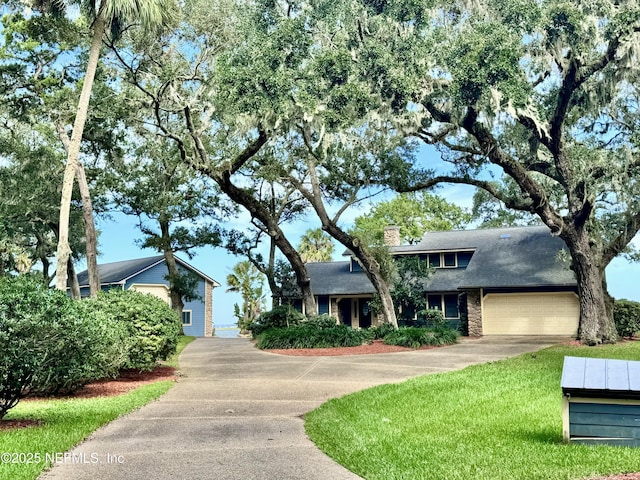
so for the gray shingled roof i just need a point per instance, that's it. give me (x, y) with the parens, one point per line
(516, 257)
(505, 257)
(120, 272)
(334, 278)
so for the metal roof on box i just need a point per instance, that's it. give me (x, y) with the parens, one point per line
(584, 376)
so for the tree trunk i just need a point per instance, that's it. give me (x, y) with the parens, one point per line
(369, 263)
(74, 286)
(370, 266)
(596, 313)
(91, 239)
(257, 210)
(71, 167)
(174, 294)
(273, 286)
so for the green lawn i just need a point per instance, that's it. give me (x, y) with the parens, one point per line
(65, 423)
(500, 420)
(183, 341)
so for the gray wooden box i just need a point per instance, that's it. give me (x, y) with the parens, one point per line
(601, 401)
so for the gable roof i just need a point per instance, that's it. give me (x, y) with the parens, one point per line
(506, 257)
(336, 278)
(514, 257)
(120, 272)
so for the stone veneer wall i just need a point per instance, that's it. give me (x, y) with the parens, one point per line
(474, 313)
(208, 309)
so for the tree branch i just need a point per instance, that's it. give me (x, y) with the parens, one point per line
(620, 242)
(482, 184)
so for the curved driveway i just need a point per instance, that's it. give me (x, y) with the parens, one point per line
(237, 412)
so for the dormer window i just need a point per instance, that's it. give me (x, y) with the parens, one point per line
(355, 265)
(449, 259)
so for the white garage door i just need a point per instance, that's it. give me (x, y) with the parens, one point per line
(530, 314)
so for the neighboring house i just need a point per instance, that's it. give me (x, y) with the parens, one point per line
(503, 281)
(147, 275)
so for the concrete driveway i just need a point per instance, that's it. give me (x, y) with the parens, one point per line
(237, 412)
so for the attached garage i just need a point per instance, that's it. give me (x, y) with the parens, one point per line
(554, 313)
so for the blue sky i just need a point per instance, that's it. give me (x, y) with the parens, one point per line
(117, 242)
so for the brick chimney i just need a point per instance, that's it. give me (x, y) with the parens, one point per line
(392, 236)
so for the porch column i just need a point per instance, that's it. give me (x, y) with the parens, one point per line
(474, 313)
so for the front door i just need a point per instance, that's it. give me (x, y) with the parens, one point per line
(344, 307)
(364, 312)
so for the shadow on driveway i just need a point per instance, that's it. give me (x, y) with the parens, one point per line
(237, 412)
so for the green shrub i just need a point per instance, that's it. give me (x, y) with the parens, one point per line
(90, 346)
(151, 325)
(431, 318)
(382, 330)
(626, 315)
(415, 337)
(310, 336)
(280, 317)
(322, 321)
(48, 344)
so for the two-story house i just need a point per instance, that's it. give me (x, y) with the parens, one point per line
(504, 281)
(148, 275)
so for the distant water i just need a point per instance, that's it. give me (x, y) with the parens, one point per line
(227, 332)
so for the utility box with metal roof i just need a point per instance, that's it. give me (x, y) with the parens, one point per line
(601, 401)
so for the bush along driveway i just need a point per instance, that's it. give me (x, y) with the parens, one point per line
(238, 411)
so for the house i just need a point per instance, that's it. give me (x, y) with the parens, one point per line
(501, 281)
(147, 275)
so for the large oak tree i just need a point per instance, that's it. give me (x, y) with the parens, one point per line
(545, 93)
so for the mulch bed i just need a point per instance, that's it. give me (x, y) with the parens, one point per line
(376, 347)
(11, 424)
(127, 381)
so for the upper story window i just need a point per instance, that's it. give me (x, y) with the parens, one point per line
(449, 259)
(355, 266)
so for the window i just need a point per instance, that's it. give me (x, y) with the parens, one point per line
(355, 266)
(323, 305)
(434, 260)
(449, 259)
(434, 302)
(464, 258)
(451, 306)
(186, 317)
(447, 304)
